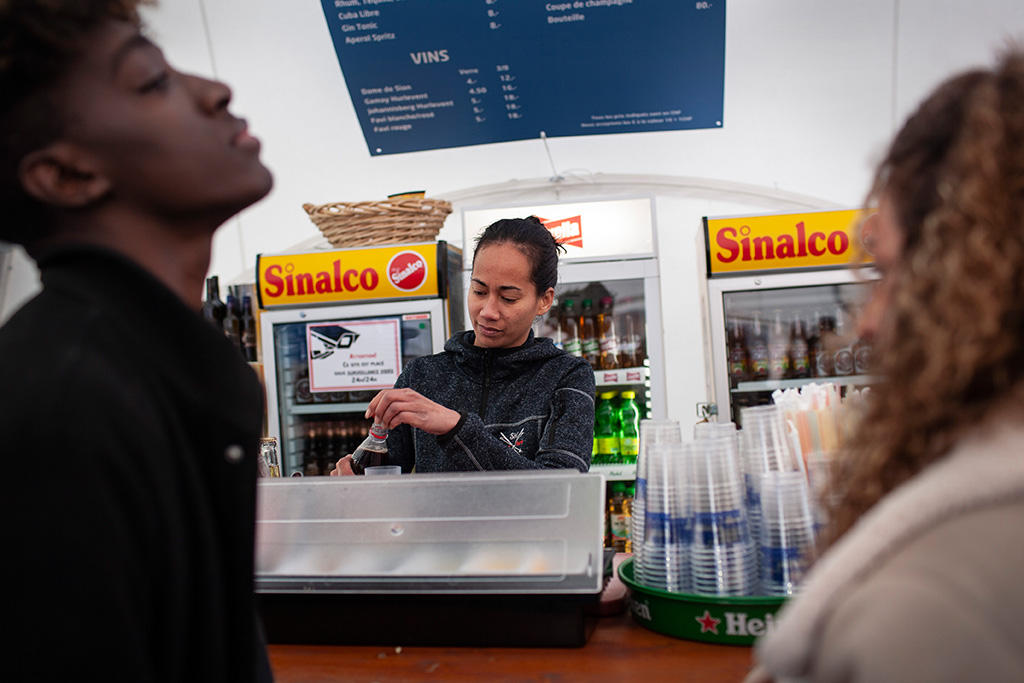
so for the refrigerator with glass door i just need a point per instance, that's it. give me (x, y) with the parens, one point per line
(338, 326)
(783, 294)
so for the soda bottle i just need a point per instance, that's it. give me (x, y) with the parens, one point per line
(620, 517)
(739, 360)
(554, 324)
(778, 349)
(248, 330)
(214, 310)
(629, 428)
(571, 342)
(758, 351)
(588, 335)
(799, 350)
(372, 450)
(311, 457)
(607, 341)
(844, 362)
(629, 343)
(232, 323)
(861, 357)
(826, 346)
(269, 458)
(606, 429)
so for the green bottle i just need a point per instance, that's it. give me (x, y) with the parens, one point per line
(629, 424)
(606, 429)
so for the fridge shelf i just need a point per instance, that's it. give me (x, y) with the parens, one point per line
(616, 471)
(772, 384)
(320, 408)
(620, 376)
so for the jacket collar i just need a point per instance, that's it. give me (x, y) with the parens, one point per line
(499, 362)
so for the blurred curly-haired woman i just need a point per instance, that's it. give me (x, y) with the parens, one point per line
(923, 579)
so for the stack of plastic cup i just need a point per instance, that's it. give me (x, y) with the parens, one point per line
(787, 532)
(764, 447)
(704, 430)
(666, 529)
(722, 554)
(653, 434)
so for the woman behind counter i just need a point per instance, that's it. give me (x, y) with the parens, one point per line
(496, 398)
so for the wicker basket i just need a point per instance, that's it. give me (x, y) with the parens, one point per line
(394, 221)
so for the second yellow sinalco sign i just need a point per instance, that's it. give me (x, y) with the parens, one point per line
(794, 240)
(390, 272)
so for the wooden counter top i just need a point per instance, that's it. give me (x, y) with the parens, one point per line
(618, 650)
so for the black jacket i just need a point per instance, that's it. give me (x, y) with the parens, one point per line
(530, 407)
(131, 428)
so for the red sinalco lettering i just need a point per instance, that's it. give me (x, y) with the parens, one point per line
(274, 285)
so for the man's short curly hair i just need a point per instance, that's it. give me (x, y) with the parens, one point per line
(39, 39)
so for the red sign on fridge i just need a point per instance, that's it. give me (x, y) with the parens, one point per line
(566, 230)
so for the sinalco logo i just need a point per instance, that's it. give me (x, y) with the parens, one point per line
(407, 271)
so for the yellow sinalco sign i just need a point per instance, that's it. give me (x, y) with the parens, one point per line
(793, 240)
(389, 272)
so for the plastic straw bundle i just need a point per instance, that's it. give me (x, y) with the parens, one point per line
(818, 420)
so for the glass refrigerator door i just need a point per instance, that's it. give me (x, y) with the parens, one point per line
(612, 310)
(315, 427)
(772, 336)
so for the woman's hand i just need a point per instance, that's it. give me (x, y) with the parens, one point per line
(343, 468)
(393, 407)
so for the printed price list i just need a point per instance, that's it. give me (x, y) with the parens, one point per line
(430, 74)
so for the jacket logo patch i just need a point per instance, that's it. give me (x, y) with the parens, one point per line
(514, 440)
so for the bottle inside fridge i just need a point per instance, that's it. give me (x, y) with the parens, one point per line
(787, 337)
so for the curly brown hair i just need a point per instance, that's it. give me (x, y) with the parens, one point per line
(950, 349)
(39, 40)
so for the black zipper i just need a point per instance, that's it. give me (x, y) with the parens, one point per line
(487, 384)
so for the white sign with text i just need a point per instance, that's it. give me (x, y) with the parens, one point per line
(351, 355)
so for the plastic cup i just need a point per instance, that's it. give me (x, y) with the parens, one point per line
(703, 430)
(722, 556)
(653, 434)
(666, 528)
(764, 447)
(382, 470)
(787, 532)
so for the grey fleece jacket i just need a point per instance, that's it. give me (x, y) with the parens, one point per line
(529, 407)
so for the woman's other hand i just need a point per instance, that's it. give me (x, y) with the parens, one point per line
(343, 468)
(393, 407)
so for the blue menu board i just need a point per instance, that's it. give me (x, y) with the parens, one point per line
(430, 74)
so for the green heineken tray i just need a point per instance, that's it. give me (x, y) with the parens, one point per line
(707, 618)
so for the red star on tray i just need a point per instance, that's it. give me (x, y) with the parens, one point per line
(708, 623)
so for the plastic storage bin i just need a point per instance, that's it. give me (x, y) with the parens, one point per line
(503, 558)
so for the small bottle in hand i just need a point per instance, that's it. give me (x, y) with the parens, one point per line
(372, 451)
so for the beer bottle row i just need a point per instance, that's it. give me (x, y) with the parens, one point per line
(327, 441)
(233, 317)
(794, 347)
(606, 341)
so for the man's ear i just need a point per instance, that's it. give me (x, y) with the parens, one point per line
(61, 175)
